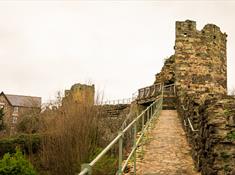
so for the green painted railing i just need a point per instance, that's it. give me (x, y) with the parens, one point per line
(145, 118)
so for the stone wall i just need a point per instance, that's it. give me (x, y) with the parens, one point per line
(115, 111)
(199, 70)
(218, 134)
(8, 110)
(200, 58)
(167, 75)
(81, 94)
(201, 84)
(112, 120)
(213, 142)
(10, 120)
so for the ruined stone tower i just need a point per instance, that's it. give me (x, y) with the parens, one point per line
(81, 94)
(199, 71)
(200, 58)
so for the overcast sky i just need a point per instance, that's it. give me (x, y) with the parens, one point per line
(47, 46)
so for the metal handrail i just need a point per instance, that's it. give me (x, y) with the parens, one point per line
(134, 96)
(184, 108)
(191, 126)
(150, 86)
(185, 123)
(154, 91)
(189, 121)
(138, 141)
(149, 91)
(151, 112)
(170, 86)
(118, 101)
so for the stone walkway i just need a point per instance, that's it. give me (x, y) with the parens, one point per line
(167, 152)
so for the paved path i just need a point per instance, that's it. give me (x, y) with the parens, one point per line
(167, 152)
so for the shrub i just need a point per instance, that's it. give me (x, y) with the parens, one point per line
(16, 164)
(71, 136)
(25, 141)
(29, 124)
(231, 136)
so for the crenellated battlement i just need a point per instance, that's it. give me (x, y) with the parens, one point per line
(185, 28)
(200, 58)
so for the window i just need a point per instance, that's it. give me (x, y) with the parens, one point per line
(14, 120)
(16, 110)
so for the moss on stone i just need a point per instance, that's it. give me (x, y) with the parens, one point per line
(225, 155)
(231, 136)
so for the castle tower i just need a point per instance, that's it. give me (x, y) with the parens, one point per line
(200, 58)
(81, 94)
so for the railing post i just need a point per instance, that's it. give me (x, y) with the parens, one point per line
(142, 131)
(148, 111)
(88, 167)
(160, 87)
(120, 154)
(154, 107)
(152, 110)
(134, 146)
(154, 91)
(174, 90)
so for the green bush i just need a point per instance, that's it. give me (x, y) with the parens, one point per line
(29, 124)
(25, 142)
(16, 164)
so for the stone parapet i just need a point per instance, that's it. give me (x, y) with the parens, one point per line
(199, 71)
(200, 58)
(213, 141)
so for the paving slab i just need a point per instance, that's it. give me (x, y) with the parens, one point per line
(167, 152)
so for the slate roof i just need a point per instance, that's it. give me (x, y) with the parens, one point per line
(24, 101)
